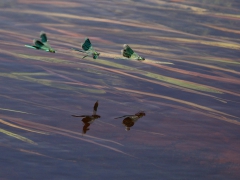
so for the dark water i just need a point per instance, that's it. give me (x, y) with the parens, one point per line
(188, 87)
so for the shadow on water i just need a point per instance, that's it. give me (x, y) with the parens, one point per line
(89, 119)
(130, 120)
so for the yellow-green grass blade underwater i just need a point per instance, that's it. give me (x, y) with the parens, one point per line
(180, 83)
(67, 133)
(17, 136)
(220, 115)
(55, 84)
(19, 127)
(11, 110)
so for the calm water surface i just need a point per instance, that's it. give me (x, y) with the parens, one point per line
(188, 88)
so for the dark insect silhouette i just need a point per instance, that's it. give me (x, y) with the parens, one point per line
(130, 120)
(89, 119)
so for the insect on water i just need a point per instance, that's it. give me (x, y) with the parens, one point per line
(42, 44)
(129, 53)
(88, 49)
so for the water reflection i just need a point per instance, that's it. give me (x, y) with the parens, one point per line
(130, 120)
(89, 119)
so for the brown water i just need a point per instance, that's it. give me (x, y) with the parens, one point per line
(191, 126)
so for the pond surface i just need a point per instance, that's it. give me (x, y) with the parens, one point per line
(188, 89)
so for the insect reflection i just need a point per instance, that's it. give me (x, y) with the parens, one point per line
(89, 119)
(130, 120)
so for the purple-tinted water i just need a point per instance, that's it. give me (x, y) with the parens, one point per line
(188, 87)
